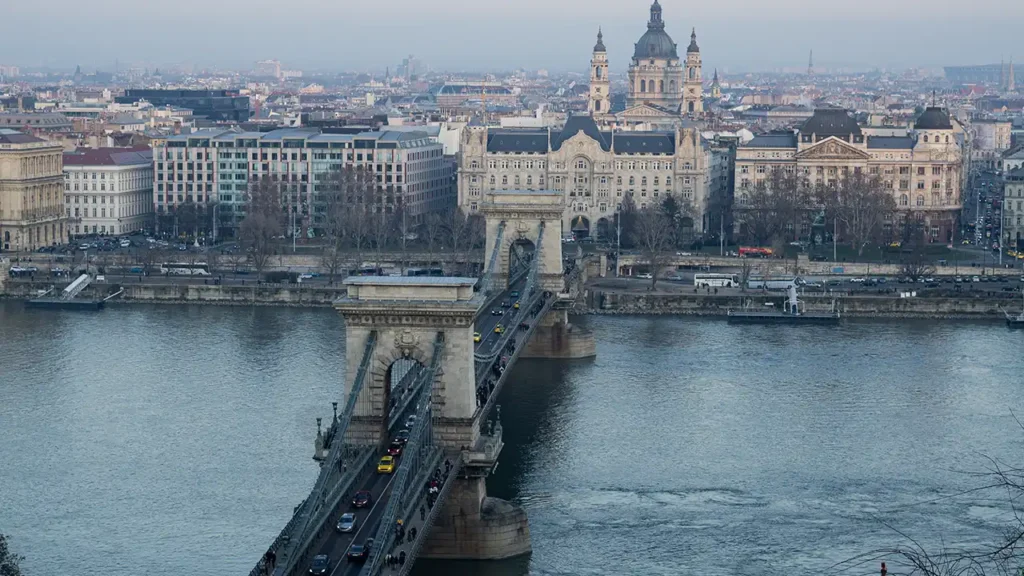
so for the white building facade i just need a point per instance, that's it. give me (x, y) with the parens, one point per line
(108, 191)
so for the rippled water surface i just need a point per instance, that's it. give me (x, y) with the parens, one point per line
(178, 439)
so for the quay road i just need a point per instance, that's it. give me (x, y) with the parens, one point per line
(336, 544)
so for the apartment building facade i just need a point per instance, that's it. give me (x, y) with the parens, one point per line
(108, 190)
(218, 166)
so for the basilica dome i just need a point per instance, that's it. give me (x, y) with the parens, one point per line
(655, 43)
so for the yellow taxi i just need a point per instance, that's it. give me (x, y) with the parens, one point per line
(516, 305)
(499, 329)
(476, 336)
(386, 465)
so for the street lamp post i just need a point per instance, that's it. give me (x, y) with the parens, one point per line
(618, 239)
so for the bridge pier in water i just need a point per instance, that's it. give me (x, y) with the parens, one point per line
(556, 337)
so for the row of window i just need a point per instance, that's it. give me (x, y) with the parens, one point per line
(579, 164)
(832, 170)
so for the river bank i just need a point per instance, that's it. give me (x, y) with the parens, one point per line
(613, 301)
(295, 295)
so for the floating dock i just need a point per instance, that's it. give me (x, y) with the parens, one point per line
(793, 313)
(59, 303)
(777, 317)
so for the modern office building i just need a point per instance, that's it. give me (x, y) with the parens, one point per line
(217, 105)
(220, 165)
(31, 195)
(108, 190)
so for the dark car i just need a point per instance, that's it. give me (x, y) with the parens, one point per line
(402, 437)
(395, 449)
(497, 312)
(506, 304)
(357, 553)
(321, 564)
(361, 499)
(514, 294)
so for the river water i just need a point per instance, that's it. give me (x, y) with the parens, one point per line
(177, 440)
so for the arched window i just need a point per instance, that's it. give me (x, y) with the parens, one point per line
(597, 72)
(689, 106)
(920, 199)
(926, 138)
(947, 139)
(693, 73)
(904, 200)
(597, 106)
(643, 85)
(492, 179)
(661, 85)
(632, 180)
(529, 180)
(672, 86)
(504, 180)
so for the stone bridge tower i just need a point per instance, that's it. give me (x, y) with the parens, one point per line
(523, 211)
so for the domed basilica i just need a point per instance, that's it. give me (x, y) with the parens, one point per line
(660, 82)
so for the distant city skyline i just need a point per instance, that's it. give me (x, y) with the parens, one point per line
(455, 35)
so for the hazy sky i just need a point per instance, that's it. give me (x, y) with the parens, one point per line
(503, 34)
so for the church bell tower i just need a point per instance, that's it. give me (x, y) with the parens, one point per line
(693, 89)
(600, 88)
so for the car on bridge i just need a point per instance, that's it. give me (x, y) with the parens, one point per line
(476, 336)
(402, 436)
(410, 421)
(514, 293)
(321, 564)
(396, 448)
(361, 499)
(516, 305)
(386, 465)
(497, 312)
(347, 522)
(359, 552)
(506, 303)
(499, 329)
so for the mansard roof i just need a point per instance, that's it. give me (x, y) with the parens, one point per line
(644, 143)
(891, 142)
(831, 122)
(541, 140)
(577, 124)
(773, 140)
(529, 140)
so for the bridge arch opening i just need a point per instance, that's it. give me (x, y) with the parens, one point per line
(520, 256)
(399, 378)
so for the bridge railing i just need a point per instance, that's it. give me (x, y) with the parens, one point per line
(486, 285)
(331, 470)
(433, 512)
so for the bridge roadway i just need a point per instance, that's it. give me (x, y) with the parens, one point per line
(336, 545)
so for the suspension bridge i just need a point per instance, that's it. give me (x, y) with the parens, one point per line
(426, 359)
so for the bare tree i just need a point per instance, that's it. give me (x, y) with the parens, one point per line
(861, 203)
(653, 236)
(745, 269)
(263, 222)
(430, 232)
(678, 213)
(457, 228)
(773, 210)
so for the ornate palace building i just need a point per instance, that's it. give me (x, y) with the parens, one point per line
(593, 169)
(922, 168)
(31, 192)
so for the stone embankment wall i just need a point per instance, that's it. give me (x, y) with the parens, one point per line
(632, 264)
(262, 295)
(868, 306)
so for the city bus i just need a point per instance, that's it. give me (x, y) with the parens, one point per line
(715, 280)
(185, 269)
(755, 252)
(424, 272)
